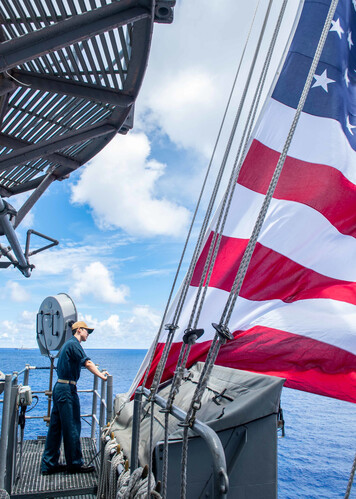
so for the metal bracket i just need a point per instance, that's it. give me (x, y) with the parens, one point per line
(223, 331)
(164, 11)
(171, 327)
(28, 253)
(129, 121)
(191, 335)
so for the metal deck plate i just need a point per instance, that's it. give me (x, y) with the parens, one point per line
(33, 484)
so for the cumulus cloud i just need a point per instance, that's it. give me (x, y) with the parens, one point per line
(63, 258)
(143, 315)
(19, 332)
(17, 292)
(192, 67)
(136, 329)
(96, 280)
(119, 185)
(171, 106)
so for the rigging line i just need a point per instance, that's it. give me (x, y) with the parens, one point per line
(232, 181)
(236, 287)
(214, 351)
(195, 406)
(186, 349)
(202, 232)
(163, 360)
(245, 140)
(176, 382)
(213, 196)
(217, 342)
(151, 448)
(351, 479)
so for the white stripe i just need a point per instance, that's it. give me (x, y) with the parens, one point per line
(316, 140)
(325, 320)
(296, 231)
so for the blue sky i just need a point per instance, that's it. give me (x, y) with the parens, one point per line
(122, 219)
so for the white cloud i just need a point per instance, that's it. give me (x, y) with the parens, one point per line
(60, 259)
(19, 332)
(172, 102)
(65, 257)
(144, 315)
(119, 185)
(136, 330)
(192, 67)
(97, 281)
(29, 318)
(17, 292)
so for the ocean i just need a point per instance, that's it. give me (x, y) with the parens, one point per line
(314, 458)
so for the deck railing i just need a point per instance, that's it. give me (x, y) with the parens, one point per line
(102, 402)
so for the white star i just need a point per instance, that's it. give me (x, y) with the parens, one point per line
(354, 4)
(335, 26)
(322, 81)
(349, 39)
(346, 77)
(349, 126)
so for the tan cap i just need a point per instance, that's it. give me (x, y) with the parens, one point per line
(82, 324)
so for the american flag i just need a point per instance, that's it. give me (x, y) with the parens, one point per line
(296, 313)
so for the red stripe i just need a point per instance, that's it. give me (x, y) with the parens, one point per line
(307, 364)
(319, 186)
(270, 275)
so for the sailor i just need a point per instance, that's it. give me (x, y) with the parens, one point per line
(65, 415)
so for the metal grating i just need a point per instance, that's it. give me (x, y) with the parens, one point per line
(70, 71)
(33, 484)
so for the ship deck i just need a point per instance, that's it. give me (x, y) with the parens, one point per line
(32, 484)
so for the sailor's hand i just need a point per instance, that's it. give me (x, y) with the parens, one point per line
(105, 375)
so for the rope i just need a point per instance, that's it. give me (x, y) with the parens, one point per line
(248, 253)
(151, 447)
(135, 487)
(244, 142)
(163, 360)
(103, 488)
(122, 481)
(165, 353)
(214, 246)
(116, 460)
(215, 347)
(351, 479)
(212, 200)
(235, 290)
(195, 406)
(176, 382)
(210, 206)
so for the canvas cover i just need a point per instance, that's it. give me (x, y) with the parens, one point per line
(244, 397)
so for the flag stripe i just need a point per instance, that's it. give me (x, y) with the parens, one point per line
(325, 320)
(279, 353)
(296, 231)
(304, 183)
(270, 275)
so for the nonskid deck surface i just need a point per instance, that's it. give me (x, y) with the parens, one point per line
(33, 484)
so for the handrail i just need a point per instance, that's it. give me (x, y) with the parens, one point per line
(5, 428)
(8, 439)
(220, 477)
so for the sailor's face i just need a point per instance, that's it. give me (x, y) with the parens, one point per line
(84, 333)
